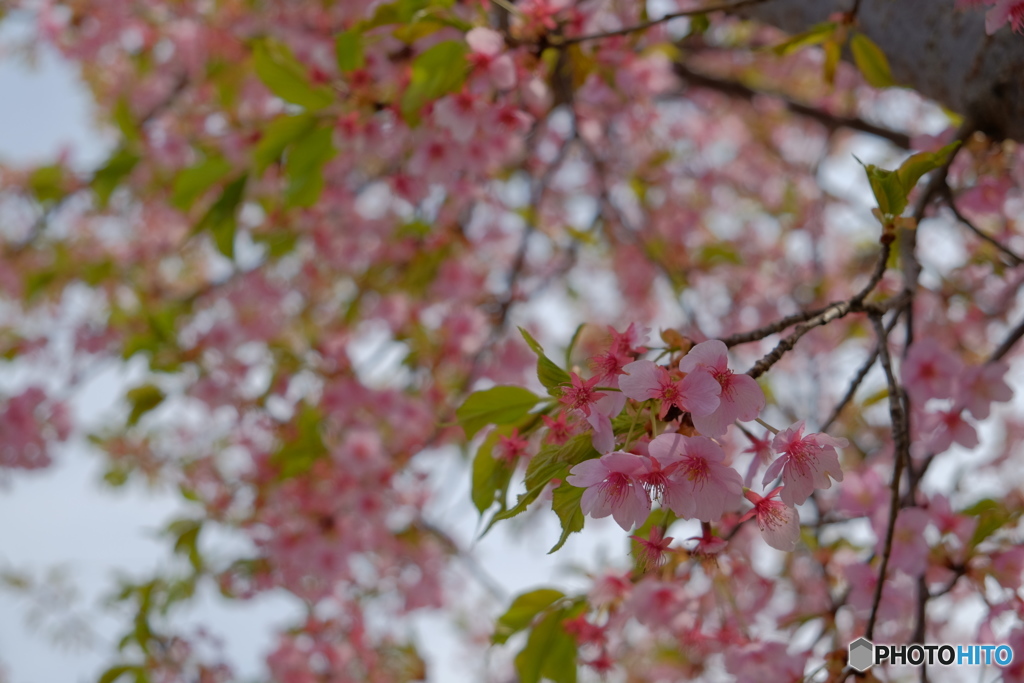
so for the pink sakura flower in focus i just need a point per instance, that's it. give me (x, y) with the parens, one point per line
(580, 395)
(1005, 12)
(653, 550)
(779, 523)
(806, 463)
(698, 484)
(697, 393)
(487, 46)
(929, 371)
(613, 488)
(741, 397)
(980, 385)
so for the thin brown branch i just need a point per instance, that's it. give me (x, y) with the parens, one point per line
(858, 378)
(1011, 339)
(772, 328)
(901, 455)
(1015, 260)
(643, 26)
(827, 119)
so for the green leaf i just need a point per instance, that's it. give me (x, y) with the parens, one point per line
(186, 534)
(348, 48)
(555, 461)
(566, 504)
(549, 374)
(888, 190)
(305, 166)
(109, 176)
(550, 652)
(522, 612)
(297, 455)
(833, 52)
(436, 72)
(491, 476)
(498, 405)
(142, 400)
(572, 344)
(193, 182)
(221, 219)
(46, 183)
(813, 36)
(911, 170)
(992, 515)
(871, 61)
(280, 133)
(286, 77)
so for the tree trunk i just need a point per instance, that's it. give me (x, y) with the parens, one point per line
(933, 48)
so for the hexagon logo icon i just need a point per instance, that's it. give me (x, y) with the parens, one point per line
(862, 654)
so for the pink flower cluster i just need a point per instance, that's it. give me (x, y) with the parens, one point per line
(931, 372)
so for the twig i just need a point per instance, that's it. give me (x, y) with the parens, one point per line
(951, 203)
(861, 374)
(901, 454)
(772, 328)
(827, 119)
(725, 7)
(1011, 339)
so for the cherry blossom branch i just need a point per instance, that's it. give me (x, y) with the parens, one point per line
(643, 26)
(772, 328)
(832, 312)
(1011, 339)
(830, 121)
(901, 455)
(858, 378)
(984, 236)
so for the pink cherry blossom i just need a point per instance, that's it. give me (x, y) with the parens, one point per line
(929, 371)
(761, 448)
(487, 46)
(1005, 12)
(909, 547)
(741, 397)
(750, 662)
(980, 385)
(779, 523)
(946, 427)
(653, 551)
(699, 485)
(613, 488)
(600, 419)
(697, 393)
(805, 463)
(580, 394)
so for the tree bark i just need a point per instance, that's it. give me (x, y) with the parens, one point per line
(941, 52)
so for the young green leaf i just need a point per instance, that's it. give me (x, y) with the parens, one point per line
(348, 48)
(286, 77)
(304, 166)
(813, 36)
(565, 501)
(222, 218)
(871, 61)
(523, 611)
(498, 405)
(436, 72)
(549, 374)
(142, 400)
(550, 652)
(491, 476)
(911, 170)
(193, 182)
(109, 176)
(278, 134)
